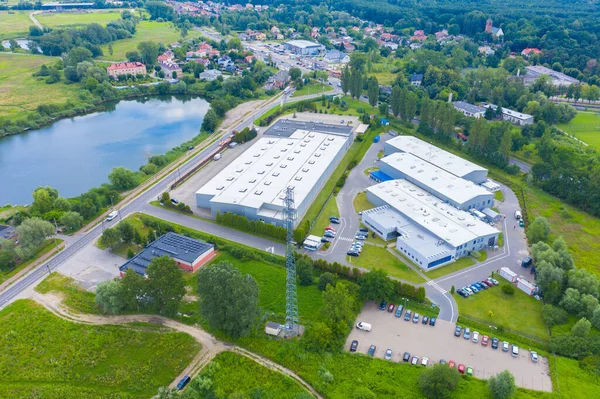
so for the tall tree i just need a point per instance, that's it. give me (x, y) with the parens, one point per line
(502, 385)
(110, 237)
(72, 221)
(32, 234)
(506, 144)
(109, 296)
(345, 79)
(134, 290)
(166, 285)
(373, 91)
(410, 108)
(228, 299)
(425, 109)
(148, 52)
(376, 285)
(338, 308)
(539, 230)
(356, 83)
(395, 101)
(439, 382)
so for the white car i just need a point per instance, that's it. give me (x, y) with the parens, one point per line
(515, 351)
(363, 326)
(534, 357)
(505, 346)
(475, 337)
(424, 361)
(388, 354)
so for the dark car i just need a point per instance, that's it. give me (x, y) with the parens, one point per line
(183, 382)
(406, 357)
(353, 346)
(407, 315)
(481, 286)
(432, 321)
(488, 283)
(382, 305)
(329, 234)
(174, 201)
(325, 239)
(352, 253)
(527, 262)
(425, 320)
(462, 293)
(372, 349)
(334, 220)
(391, 307)
(457, 331)
(364, 229)
(495, 342)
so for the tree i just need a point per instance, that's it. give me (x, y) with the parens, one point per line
(439, 382)
(166, 285)
(122, 178)
(581, 328)
(110, 237)
(571, 301)
(216, 285)
(134, 289)
(304, 271)
(62, 204)
(7, 259)
(32, 234)
(126, 231)
(133, 56)
(502, 385)
(583, 281)
(318, 337)
(376, 285)
(395, 100)
(489, 113)
(508, 289)
(72, 221)
(553, 315)
(42, 201)
(345, 80)
(356, 83)
(325, 279)
(77, 55)
(109, 296)
(373, 91)
(384, 109)
(210, 122)
(338, 308)
(596, 317)
(295, 73)
(539, 230)
(148, 52)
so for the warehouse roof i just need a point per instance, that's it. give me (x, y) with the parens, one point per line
(175, 245)
(443, 159)
(463, 106)
(302, 43)
(442, 220)
(445, 183)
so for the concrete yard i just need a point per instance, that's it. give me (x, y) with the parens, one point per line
(91, 266)
(438, 342)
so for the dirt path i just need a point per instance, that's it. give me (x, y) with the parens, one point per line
(211, 347)
(34, 20)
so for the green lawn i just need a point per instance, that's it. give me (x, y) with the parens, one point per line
(373, 257)
(46, 247)
(368, 171)
(361, 203)
(312, 88)
(271, 283)
(43, 356)
(21, 92)
(460, 264)
(14, 24)
(518, 312)
(586, 127)
(73, 20)
(74, 296)
(574, 381)
(499, 195)
(161, 32)
(322, 221)
(385, 78)
(232, 374)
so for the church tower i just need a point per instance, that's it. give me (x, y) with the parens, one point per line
(488, 25)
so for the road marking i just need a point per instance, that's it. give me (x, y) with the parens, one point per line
(345, 239)
(436, 286)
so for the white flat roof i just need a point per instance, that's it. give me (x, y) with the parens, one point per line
(434, 155)
(445, 183)
(430, 213)
(303, 43)
(260, 175)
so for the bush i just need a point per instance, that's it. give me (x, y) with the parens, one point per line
(508, 289)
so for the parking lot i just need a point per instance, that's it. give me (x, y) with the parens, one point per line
(438, 342)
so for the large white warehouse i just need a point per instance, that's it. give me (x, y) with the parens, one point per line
(429, 232)
(458, 192)
(298, 154)
(442, 159)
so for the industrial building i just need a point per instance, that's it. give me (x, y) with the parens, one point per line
(467, 109)
(456, 191)
(303, 47)
(291, 153)
(442, 159)
(429, 232)
(188, 253)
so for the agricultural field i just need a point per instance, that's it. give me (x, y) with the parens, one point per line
(586, 127)
(233, 374)
(75, 20)
(496, 307)
(44, 356)
(160, 32)
(20, 91)
(14, 24)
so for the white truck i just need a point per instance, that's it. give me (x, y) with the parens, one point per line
(112, 215)
(518, 215)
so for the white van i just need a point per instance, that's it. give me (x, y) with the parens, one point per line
(112, 215)
(518, 215)
(363, 326)
(217, 157)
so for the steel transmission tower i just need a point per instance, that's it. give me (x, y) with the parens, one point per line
(291, 299)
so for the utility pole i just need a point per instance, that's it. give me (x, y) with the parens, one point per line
(291, 305)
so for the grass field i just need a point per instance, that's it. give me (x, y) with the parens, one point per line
(43, 356)
(19, 91)
(73, 20)
(160, 32)
(361, 203)
(460, 264)
(46, 247)
(385, 78)
(233, 374)
(518, 312)
(322, 221)
(14, 24)
(373, 257)
(586, 127)
(499, 195)
(312, 88)
(74, 296)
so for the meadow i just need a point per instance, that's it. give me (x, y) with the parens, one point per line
(312, 88)
(43, 356)
(374, 257)
(75, 20)
(14, 24)
(586, 127)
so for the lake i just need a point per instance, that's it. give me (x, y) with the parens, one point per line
(76, 154)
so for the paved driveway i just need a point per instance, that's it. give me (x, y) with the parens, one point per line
(439, 342)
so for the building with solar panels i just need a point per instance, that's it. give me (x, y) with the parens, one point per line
(187, 252)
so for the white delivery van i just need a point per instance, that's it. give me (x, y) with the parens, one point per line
(518, 215)
(217, 157)
(112, 215)
(363, 326)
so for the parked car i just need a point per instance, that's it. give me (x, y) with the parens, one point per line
(329, 234)
(325, 239)
(442, 361)
(484, 340)
(414, 360)
(354, 346)
(415, 318)
(399, 310)
(493, 280)
(361, 325)
(372, 349)
(432, 321)
(527, 262)
(406, 357)
(462, 293)
(467, 333)
(474, 289)
(407, 315)
(481, 286)
(352, 253)
(174, 201)
(388, 354)
(534, 356)
(495, 342)
(359, 237)
(382, 305)
(468, 290)
(364, 229)
(461, 368)
(515, 351)
(424, 361)
(505, 346)
(457, 331)
(451, 364)
(470, 371)
(488, 283)
(334, 219)
(475, 337)
(391, 307)
(183, 382)
(329, 228)
(425, 320)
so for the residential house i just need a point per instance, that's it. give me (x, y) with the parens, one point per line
(390, 45)
(336, 57)
(225, 62)
(486, 50)
(416, 79)
(275, 30)
(441, 35)
(386, 90)
(469, 109)
(278, 81)
(170, 66)
(414, 46)
(126, 68)
(418, 36)
(210, 75)
(514, 117)
(529, 51)
(349, 47)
